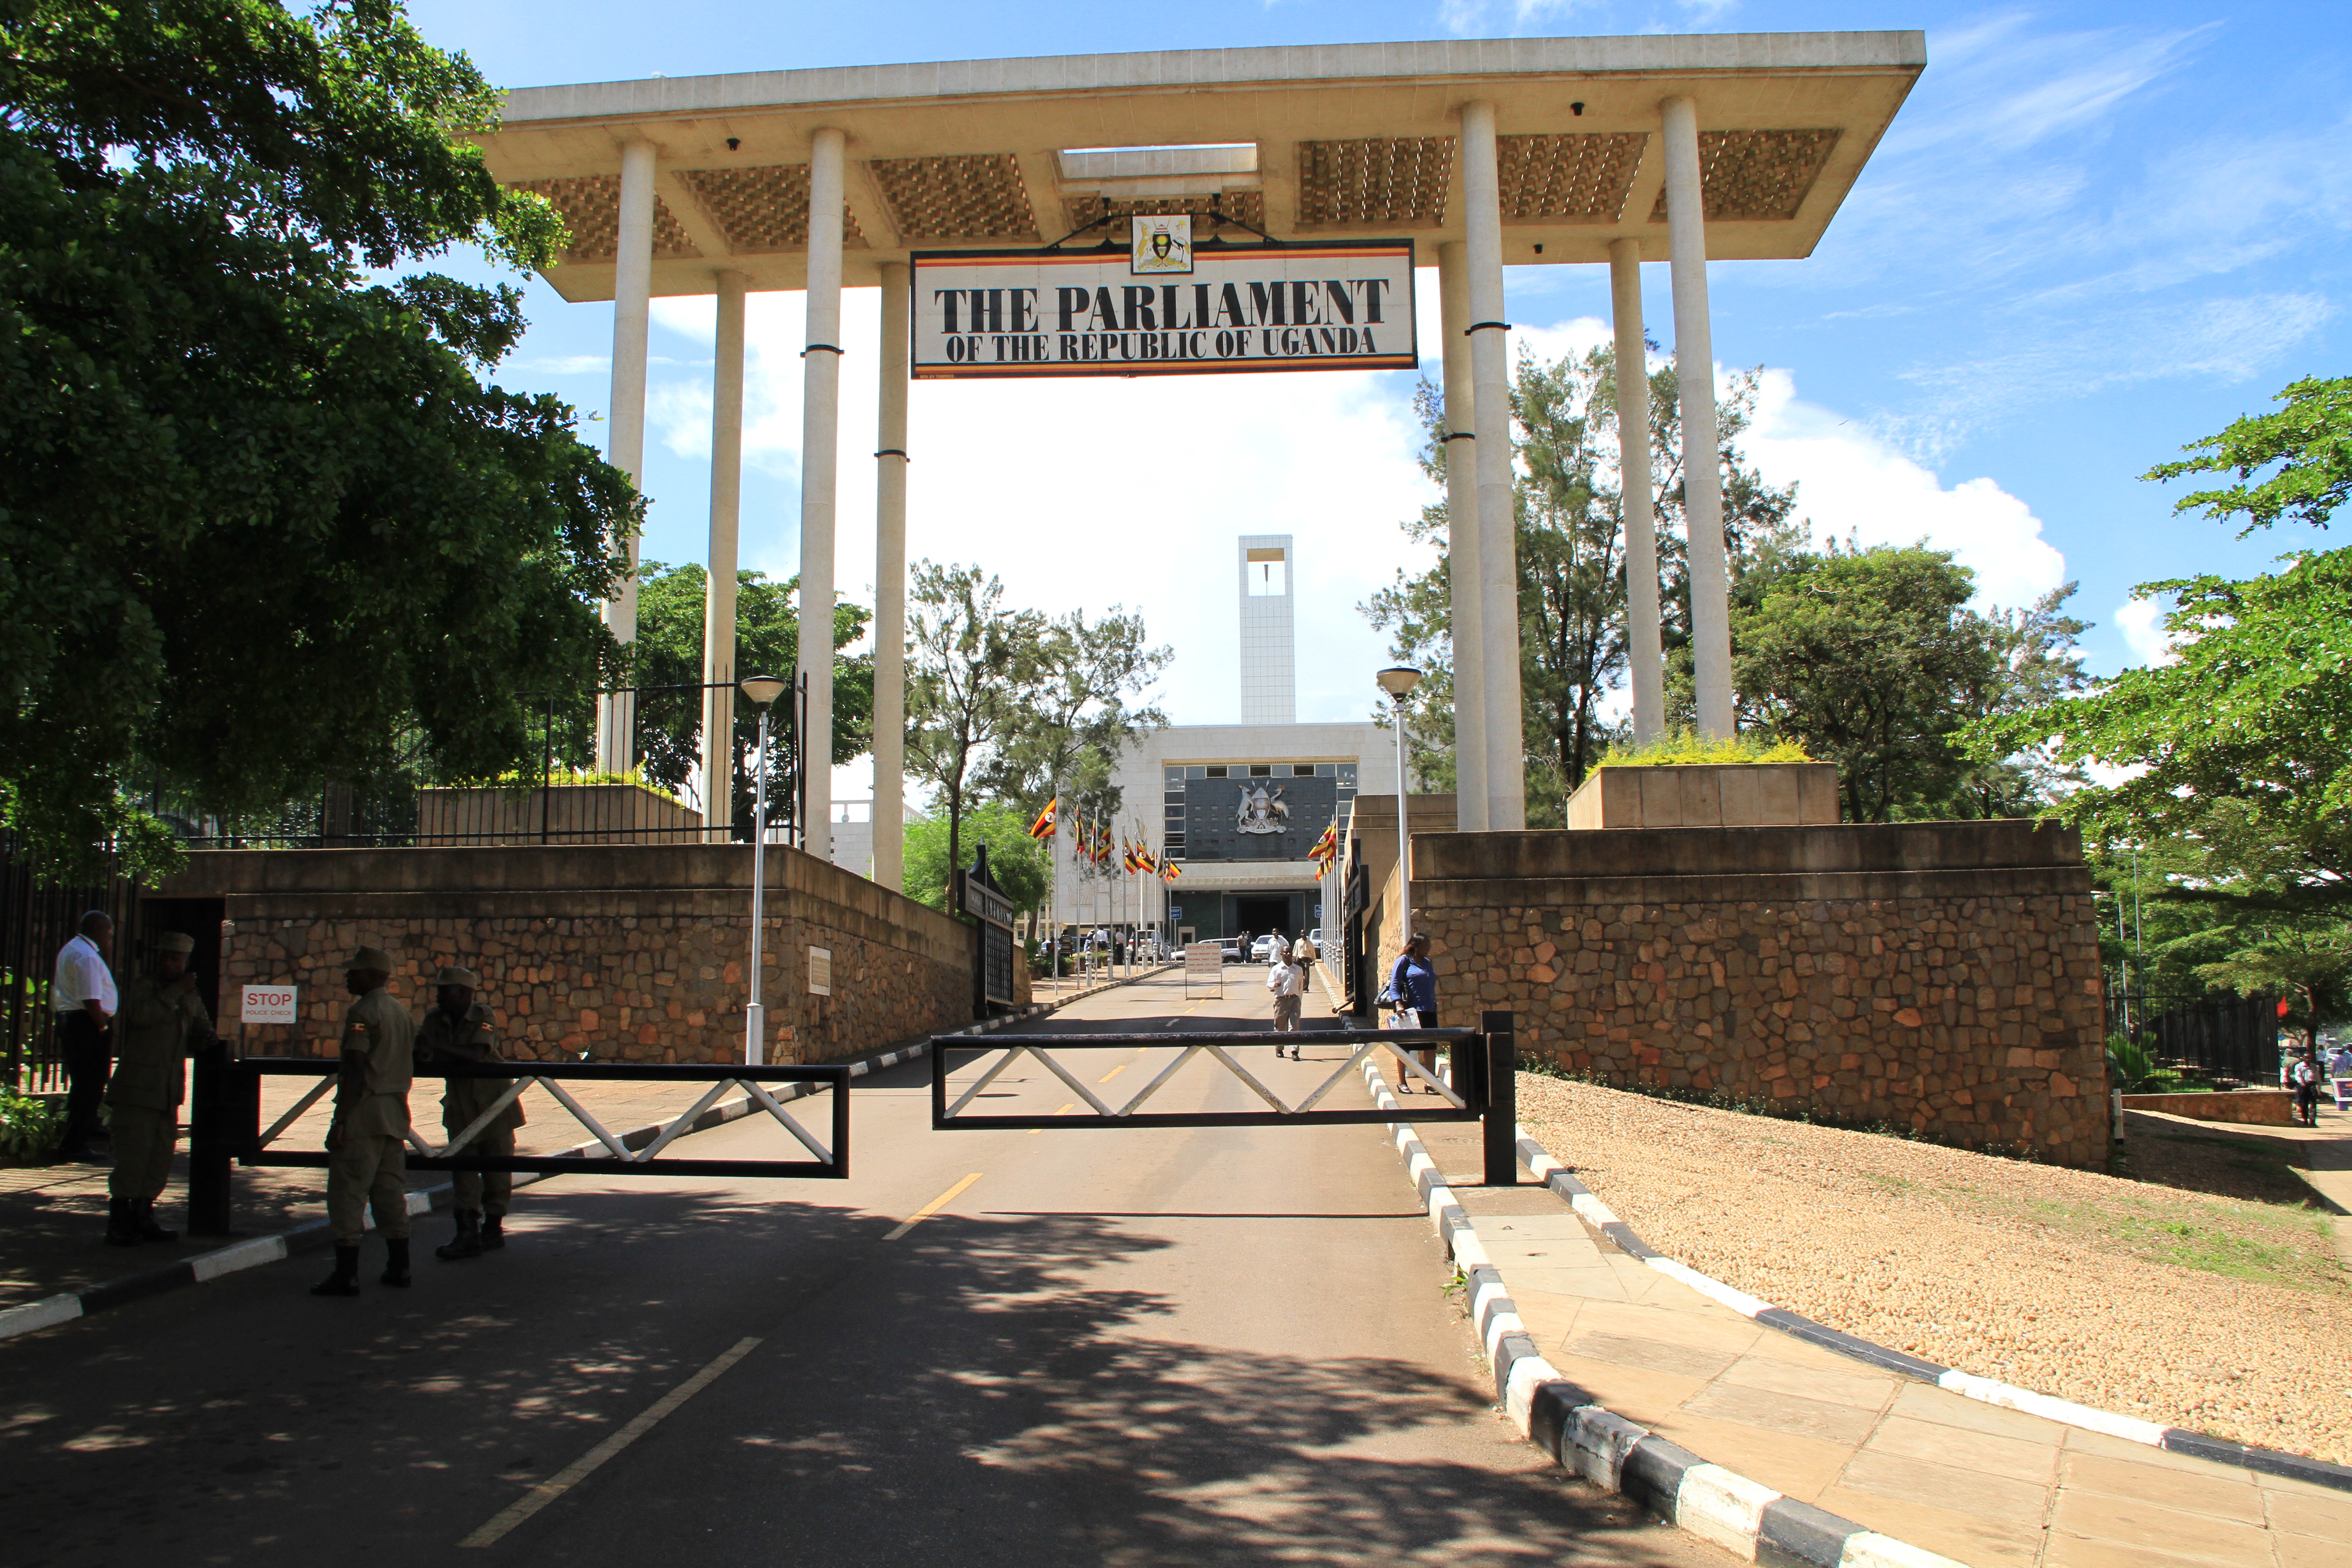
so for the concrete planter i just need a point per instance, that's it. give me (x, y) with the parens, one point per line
(1708, 794)
(563, 813)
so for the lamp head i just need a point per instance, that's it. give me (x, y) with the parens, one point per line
(1399, 680)
(762, 690)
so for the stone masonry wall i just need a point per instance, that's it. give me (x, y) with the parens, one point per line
(1944, 992)
(634, 953)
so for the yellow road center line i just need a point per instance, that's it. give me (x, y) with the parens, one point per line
(578, 1471)
(1063, 1111)
(934, 1206)
(1112, 1074)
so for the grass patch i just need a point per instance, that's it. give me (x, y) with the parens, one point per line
(1686, 748)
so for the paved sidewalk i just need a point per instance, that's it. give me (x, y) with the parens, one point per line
(1981, 1484)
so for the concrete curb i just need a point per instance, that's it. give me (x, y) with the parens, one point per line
(256, 1251)
(1746, 1518)
(2132, 1429)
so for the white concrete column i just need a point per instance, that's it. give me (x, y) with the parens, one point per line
(1462, 536)
(633, 282)
(890, 589)
(1710, 570)
(1644, 642)
(719, 587)
(820, 460)
(1498, 543)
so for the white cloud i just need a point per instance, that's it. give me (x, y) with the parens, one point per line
(1086, 493)
(1853, 482)
(2141, 621)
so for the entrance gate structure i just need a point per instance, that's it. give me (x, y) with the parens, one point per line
(1522, 152)
(1484, 1086)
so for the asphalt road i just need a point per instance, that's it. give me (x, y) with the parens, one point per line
(1129, 1347)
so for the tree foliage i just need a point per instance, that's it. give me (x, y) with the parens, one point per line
(1015, 706)
(2241, 747)
(2307, 963)
(1022, 865)
(261, 515)
(669, 653)
(1871, 659)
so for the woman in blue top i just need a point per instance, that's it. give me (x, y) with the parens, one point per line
(1413, 983)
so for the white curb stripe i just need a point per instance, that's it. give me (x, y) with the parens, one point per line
(261, 1249)
(1871, 1550)
(2128, 1428)
(1740, 1301)
(46, 1314)
(1715, 1505)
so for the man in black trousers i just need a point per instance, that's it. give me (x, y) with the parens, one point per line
(82, 992)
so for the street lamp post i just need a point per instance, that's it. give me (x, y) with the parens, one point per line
(1398, 681)
(762, 691)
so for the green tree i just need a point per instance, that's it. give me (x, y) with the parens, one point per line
(1022, 864)
(668, 653)
(2307, 963)
(262, 518)
(1570, 540)
(1078, 716)
(2242, 746)
(972, 674)
(1870, 658)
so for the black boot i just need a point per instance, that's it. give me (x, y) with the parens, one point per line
(122, 1226)
(492, 1236)
(345, 1280)
(468, 1241)
(149, 1228)
(395, 1267)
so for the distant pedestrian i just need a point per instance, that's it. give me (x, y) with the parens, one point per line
(2302, 1076)
(456, 1030)
(83, 992)
(1413, 988)
(160, 1023)
(368, 1167)
(1288, 983)
(1303, 954)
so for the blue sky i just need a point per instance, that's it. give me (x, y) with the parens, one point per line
(2095, 232)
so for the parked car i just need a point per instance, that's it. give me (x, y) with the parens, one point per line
(1230, 948)
(1263, 950)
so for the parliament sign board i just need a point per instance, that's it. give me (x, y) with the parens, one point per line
(1346, 305)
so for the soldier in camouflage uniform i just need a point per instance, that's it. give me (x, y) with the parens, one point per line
(369, 1162)
(158, 1023)
(458, 1030)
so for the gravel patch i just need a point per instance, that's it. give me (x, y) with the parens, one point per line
(2216, 1313)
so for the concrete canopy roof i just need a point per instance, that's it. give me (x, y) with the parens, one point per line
(1304, 144)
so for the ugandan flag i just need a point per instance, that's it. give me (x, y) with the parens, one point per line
(1326, 848)
(1170, 870)
(1044, 826)
(1126, 857)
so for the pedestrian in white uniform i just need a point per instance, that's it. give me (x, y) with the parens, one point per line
(1288, 983)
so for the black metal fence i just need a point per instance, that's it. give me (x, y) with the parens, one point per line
(562, 800)
(2233, 1038)
(35, 922)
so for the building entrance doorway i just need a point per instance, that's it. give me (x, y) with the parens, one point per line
(1259, 916)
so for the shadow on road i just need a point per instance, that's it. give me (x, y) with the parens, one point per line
(983, 1391)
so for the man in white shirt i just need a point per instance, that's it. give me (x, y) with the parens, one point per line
(1288, 982)
(82, 991)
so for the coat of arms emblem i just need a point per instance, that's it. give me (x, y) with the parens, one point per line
(1163, 243)
(1262, 810)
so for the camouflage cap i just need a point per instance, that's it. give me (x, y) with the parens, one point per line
(373, 958)
(175, 942)
(458, 974)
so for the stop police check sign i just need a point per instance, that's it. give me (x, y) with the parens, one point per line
(268, 1004)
